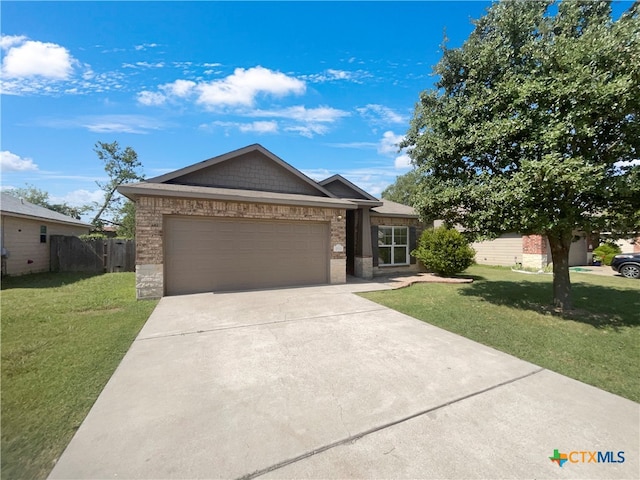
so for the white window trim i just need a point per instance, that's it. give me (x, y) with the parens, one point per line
(393, 246)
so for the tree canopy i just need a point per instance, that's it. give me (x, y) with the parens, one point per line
(122, 166)
(39, 197)
(403, 189)
(533, 126)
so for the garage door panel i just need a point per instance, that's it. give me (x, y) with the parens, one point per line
(209, 254)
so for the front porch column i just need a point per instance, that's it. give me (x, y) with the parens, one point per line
(364, 253)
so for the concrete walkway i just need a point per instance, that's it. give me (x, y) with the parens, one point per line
(320, 383)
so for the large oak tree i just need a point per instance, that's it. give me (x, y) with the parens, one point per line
(533, 126)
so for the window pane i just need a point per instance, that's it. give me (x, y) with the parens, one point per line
(384, 255)
(400, 235)
(384, 236)
(400, 255)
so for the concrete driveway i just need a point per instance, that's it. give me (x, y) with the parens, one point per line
(320, 383)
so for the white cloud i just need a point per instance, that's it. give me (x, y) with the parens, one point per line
(151, 98)
(379, 114)
(29, 58)
(139, 124)
(143, 65)
(243, 86)
(403, 161)
(120, 124)
(389, 146)
(333, 75)
(144, 46)
(259, 127)
(389, 143)
(179, 88)
(308, 131)
(78, 198)
(239, 89)
(305, 121)
(10, 162)
(8, 41)
(302, 114)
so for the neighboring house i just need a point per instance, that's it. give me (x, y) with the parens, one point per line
(627, 245)
(247, 219)
(531, 251)
(25, 234)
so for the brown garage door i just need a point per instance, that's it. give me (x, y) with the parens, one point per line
(215, 254)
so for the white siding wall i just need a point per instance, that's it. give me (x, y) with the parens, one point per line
(504, 250)
(625, 245)
(21, 238)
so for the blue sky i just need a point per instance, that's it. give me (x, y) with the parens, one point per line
(329, 87)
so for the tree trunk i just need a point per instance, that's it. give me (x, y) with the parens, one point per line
(560, 243)
(107, 200)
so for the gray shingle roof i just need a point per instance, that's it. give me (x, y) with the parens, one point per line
(394, 209)
(13, 205)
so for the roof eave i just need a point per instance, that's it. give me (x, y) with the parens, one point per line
(242, 196)
(45, 219)
(397, 215)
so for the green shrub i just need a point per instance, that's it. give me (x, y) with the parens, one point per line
(444, 251)
(605, 252)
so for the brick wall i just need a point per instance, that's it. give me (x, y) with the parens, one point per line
(397, 222)
(535, 244)
(149, 231)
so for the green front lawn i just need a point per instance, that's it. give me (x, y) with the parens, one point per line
(598, 344)
(63, 335)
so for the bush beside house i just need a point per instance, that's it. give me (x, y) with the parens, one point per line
(444, 251)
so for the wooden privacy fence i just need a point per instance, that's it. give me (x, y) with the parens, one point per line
(96, 255)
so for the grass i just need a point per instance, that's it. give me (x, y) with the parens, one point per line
(596, 344)
(63, 335)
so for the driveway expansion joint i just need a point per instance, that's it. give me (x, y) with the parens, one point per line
(249, 325)
(358, 436)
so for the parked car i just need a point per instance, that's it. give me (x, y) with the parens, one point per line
(627, 264)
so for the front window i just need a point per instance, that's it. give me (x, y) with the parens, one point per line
(43, 234)
(393, 245)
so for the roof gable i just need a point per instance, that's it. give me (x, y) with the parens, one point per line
(343, 188)
(18, 207)
(249, 168)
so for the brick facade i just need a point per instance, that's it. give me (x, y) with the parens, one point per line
(150, 213)
(535, 252)
(534, 244)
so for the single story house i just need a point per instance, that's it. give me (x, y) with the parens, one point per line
(247, 219)
(531, 251)
(25, 231)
